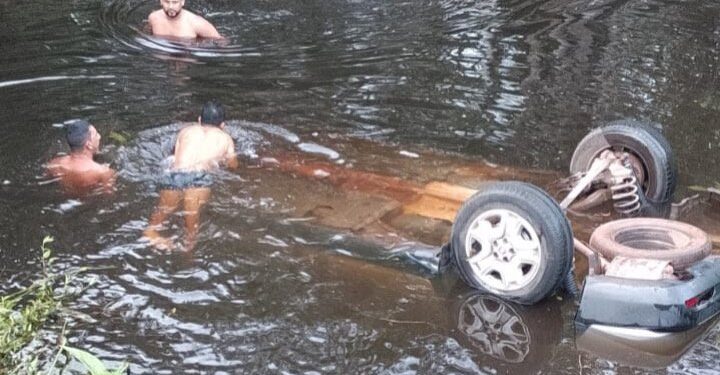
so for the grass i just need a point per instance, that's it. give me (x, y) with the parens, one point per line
(24, 312)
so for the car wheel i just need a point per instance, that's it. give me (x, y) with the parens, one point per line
(656, 169)
(512, 239)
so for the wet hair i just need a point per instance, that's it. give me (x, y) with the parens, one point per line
(77, 133)
(212, 113)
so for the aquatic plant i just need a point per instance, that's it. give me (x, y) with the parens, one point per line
(120, 137)
(24, 312)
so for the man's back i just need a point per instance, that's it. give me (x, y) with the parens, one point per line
(198, 147)
(202, 147)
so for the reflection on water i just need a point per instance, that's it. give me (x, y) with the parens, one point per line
(638, 348)
(292, 271)
(518, 337)
(485, 319)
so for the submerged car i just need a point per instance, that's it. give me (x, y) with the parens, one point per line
(513, 240)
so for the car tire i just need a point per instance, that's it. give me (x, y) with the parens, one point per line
(679, 243)
(526, 263)
(644, 142)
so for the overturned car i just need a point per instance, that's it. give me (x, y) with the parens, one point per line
(513, 240)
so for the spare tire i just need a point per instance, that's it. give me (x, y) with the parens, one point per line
(512, 239)
(679, 243)
(644, 142)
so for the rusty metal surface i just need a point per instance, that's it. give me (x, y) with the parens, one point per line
(596, 263)
(612, 176)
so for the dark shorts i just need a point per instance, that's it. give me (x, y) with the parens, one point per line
(184, 180)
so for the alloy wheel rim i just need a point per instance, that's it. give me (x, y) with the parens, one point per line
(503, 250)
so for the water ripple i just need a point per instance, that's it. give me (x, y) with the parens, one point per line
(51, 78)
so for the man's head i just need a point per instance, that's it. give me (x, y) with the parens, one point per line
(80, 135)
(172, 8)
(212, 114)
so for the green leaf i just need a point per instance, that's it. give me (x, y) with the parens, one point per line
(90, 361)
(121, 370)
(47, 240)
(46, 251)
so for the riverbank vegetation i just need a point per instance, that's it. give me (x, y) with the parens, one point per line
(34, 309)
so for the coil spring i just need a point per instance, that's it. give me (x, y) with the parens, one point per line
(626, 199)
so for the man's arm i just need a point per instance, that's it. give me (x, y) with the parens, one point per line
(231, 157)
(205, 29)
(107, 179)
(150, 22)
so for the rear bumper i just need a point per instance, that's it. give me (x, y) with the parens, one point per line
(652, 305)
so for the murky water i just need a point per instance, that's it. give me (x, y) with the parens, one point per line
(281, 281)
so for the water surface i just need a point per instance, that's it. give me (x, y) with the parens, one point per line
(402, 88)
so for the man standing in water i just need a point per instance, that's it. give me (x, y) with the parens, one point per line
(78, 172)
(199, 148)
(174, 21)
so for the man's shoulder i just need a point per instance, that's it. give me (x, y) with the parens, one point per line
(58, 160)
(197, 20)
(191, 16)
(190, 128)
(155, 15)
(220, 132)
(64, 164)
(103, 168)
(90, 166)
(56, 165)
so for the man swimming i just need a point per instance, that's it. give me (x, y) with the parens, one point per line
(78, 173)
(174, 21)
(199, 148)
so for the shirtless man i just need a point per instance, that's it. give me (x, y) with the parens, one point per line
(199, 148)
(174, 21)
(78, 172)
